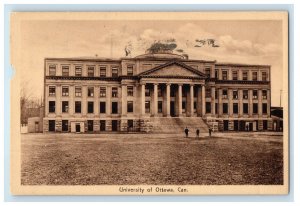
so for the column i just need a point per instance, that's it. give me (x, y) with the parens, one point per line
(250, 103)
(71, 100)
(199, 101)
(124, 100)
(168, 98)
(58, 101)
(240, 93)
(179, 100)
(191, 100)
(203, 99)
(220, 102)
(155, 97)
(108, 100)
(142, 99)
(230, 104)
(260, 103)
(213, 101)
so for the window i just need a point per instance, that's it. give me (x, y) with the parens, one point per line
(159, 92)
(129, 70)
(245, 76)
(114, 92)
(255, 108)
(102, 107)
(245, 108)
(147, 92)
(235, 94)
(102, 125)
(183, 106)
(217, 108)
(234, 75)
(216, 93)
(65, 106)
(264, 94)
(91, 70)
(90, 107)
(52, 70)
(264, 76)
(51, 106)
(130, 106)
(159, 106)
(102, 71)
(65, 125)
(264, 108)
(130, 124)
(65, 71)
(65, 91)
(207, 92)
(130, 91)
(172, 92)
(51, 90)
(225, 108)
(224, 75)
(78, 71)
(207, 107)
(90, 91)
(77, 107)
(51, 125)
(114, 107)
(224, 93)
(102, 91)
(90, 125)
(254, 76)
(254, 95)
(77, 91)
(147, 107)
(245, 94)
(235, 108)
(207, 71)
(114, 72)
(216, 74)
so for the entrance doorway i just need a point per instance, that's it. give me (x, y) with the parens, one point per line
(36, 126)
(250, 126)
(78, 127)
(225, 125)
(172, 109)
(114, 125)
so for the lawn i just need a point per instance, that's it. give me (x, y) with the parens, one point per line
(119, 159)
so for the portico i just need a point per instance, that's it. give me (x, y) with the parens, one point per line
(176, 99)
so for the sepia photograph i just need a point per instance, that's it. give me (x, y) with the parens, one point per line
(149, 103)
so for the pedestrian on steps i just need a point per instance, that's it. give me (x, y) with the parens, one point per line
(197, 133)
(186, 132)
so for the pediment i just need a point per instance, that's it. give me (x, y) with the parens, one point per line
(176, 69)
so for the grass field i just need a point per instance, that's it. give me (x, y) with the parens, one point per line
(83, 159)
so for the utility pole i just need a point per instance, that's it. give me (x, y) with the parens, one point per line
(280, 97)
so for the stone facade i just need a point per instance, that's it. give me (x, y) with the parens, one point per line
(124, 95)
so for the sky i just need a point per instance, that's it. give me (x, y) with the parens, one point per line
(240, 41)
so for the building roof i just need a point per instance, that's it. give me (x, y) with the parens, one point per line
(240, 65)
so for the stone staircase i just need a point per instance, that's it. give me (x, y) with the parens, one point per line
(177, 125)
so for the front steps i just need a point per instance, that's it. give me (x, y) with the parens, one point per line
(175, 125)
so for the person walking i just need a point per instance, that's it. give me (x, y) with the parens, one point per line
(197, 133)
(186, 132)
(210, 130)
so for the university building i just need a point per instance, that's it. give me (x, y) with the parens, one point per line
(154, 92)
